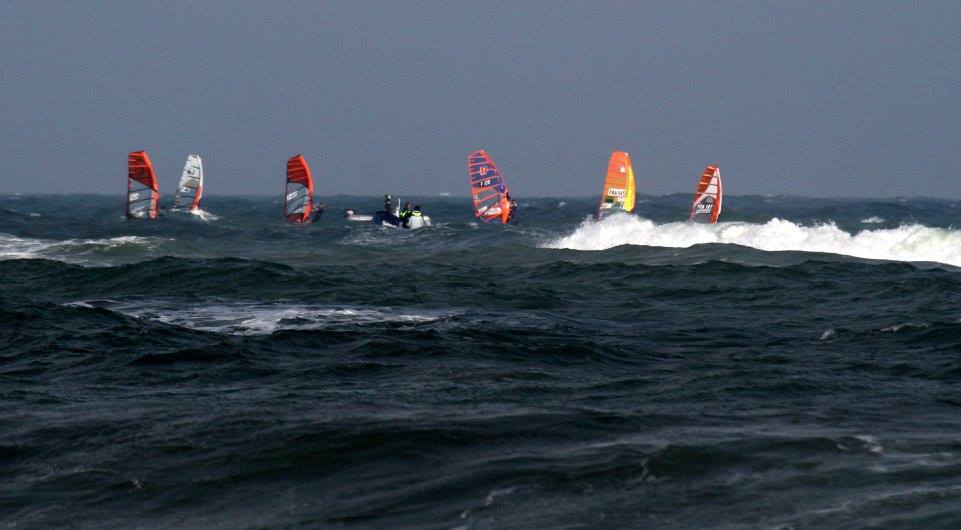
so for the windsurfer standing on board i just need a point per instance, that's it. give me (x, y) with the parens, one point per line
(507, 206)
(316, 211)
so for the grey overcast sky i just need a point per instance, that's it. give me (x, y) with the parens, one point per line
(809, 98)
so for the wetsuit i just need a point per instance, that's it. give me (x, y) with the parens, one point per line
(318, 212)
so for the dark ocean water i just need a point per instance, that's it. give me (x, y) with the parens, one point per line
(795, 366)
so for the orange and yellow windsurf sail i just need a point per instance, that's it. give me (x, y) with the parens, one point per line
(618, 193)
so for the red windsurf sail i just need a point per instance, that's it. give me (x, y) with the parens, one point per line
(142, 191)
(492, 198)
(298, 191)
(707, 200)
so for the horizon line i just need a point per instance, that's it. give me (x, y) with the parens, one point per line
(434, 195)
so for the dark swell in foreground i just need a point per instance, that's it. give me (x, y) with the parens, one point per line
(468, 377)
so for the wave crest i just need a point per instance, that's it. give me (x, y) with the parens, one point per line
(906, 243)
(70, 250)
(264, 319)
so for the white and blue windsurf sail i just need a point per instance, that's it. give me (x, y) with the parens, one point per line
(191, 185)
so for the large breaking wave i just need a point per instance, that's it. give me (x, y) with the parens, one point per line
(906, 243)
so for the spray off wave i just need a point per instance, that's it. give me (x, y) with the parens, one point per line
(204, 215)
(912, 243)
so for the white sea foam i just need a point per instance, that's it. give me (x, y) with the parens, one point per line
(873, 220)
(12, 247)
(905, 243)
(910, 325)
(871, 443)
(263, 319)
(70, 250)
(495, 493)
(204, 215)
(381, 236)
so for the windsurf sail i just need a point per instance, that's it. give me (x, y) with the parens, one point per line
(142, 191)
(707, 200)
(298, 191)
(191, 184)
(489, 190)
(618, 193)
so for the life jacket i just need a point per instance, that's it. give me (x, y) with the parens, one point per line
(416, 213)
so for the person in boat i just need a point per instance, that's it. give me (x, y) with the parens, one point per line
(387, 214)
(317, 211)
(405, 215)
(415, 213)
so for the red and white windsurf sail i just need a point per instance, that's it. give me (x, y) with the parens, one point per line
(492, 198)
(707, 200)
(142, 191)
(298, 191)
(191, 185)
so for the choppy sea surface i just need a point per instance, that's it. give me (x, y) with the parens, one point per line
(796, 365)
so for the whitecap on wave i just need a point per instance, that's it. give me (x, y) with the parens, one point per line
(70, 250)
(263, 319)
(906, 325)
(906, 243)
